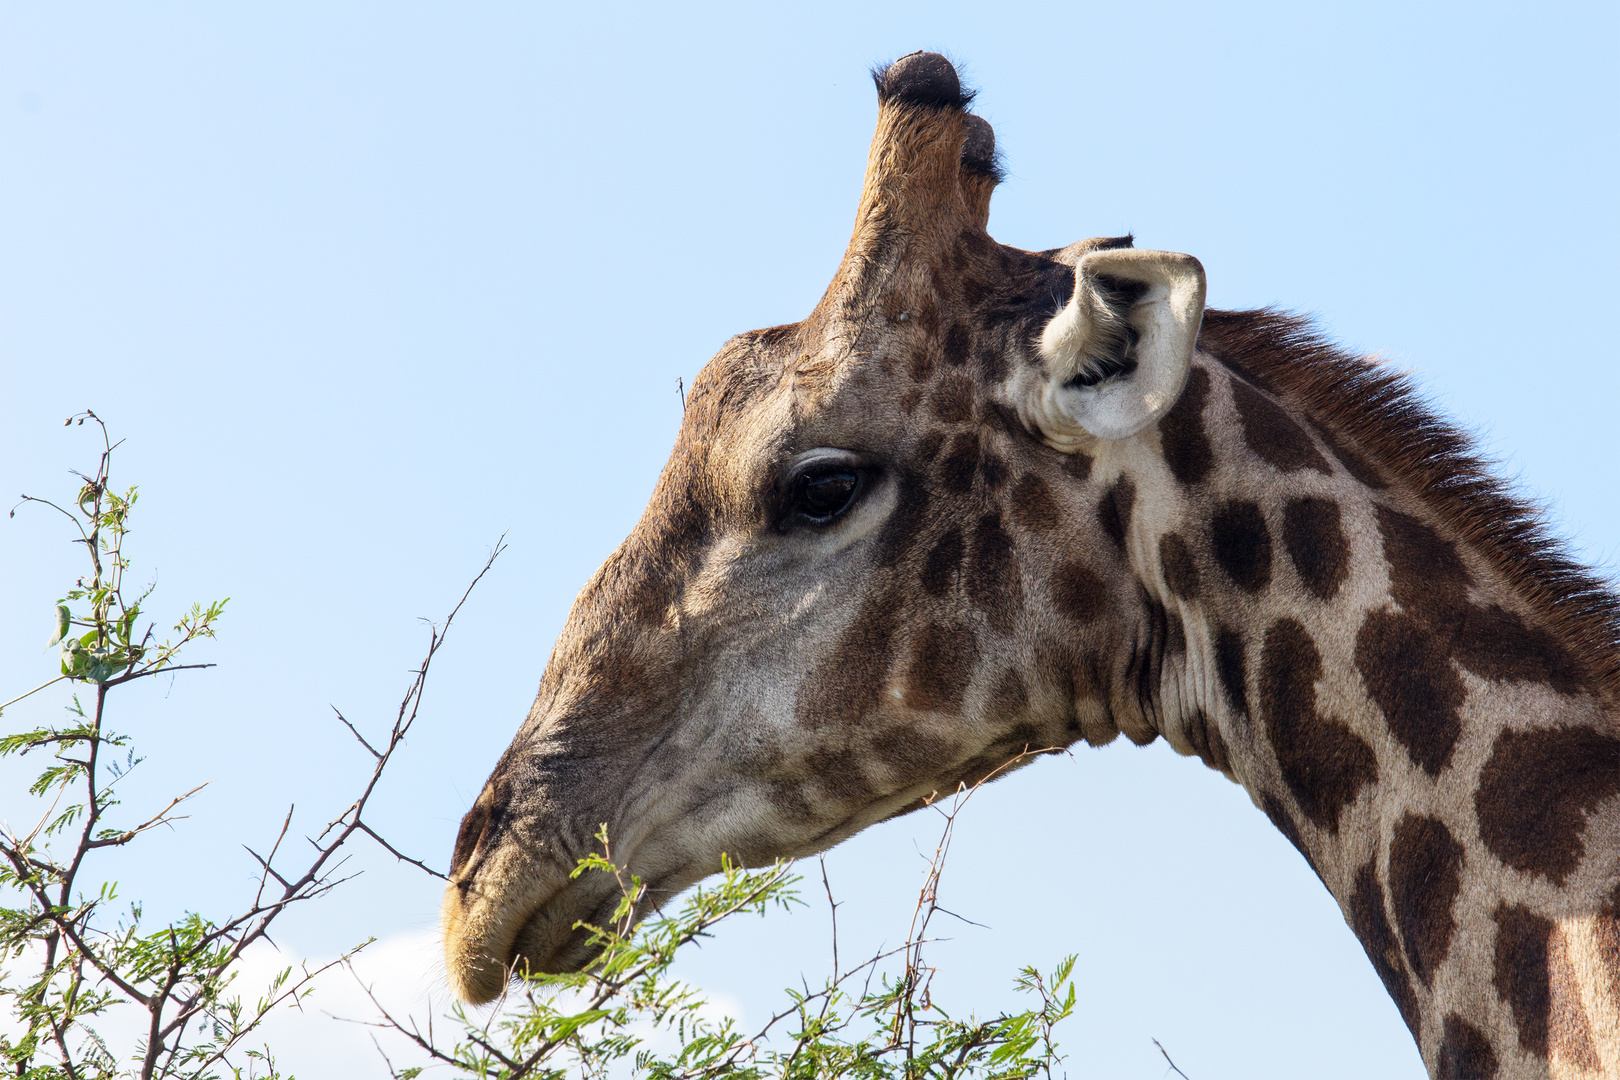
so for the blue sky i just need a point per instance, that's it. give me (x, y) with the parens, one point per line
(366, 285)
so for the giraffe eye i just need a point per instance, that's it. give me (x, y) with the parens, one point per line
(821, 494)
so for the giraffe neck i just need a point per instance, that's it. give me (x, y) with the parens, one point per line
(1316, 633)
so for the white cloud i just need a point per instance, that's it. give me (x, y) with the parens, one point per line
(331, 1035)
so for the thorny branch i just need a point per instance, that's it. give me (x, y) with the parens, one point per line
(626, 979)
(179, 973)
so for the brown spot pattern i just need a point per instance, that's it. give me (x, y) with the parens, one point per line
(942, 565)
(841, 772)
(1354, 464)
(1272, 433)
(1078, 592)
(1114, 511)
(901, 535)
(846, 684)
(1242, 544)
(921, 363)
(960, 464)
(1425, 876)
(1229, 664)
(1323, 762)
(952, 402)
(1180, 570)
(1371, 924)
(1381, 415)
(910, 751)
(1536, 791)
(1465, 1052)
(1009, 698)
(1413, 682)
(992, 582)
(1494, 643)
(928, 448)
(789, 800)
(993, 470)
(1187, 450)
(1032, 504)
(1077, 465)
(1316, 544)
(1521, 973)
(1426, 576)
(942, 662)
(958, 344)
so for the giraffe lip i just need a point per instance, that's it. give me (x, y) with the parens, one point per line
(551, 940)
(491, 914)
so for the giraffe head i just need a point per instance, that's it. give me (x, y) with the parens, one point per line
(884, 558)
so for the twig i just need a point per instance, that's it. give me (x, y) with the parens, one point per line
(146, 673)
(414, 1033)
(160, 818)
(267, 1006)
(30, 693)
(1172, 1064)
(832, 909)
(356, 733)
(395, 852)
(317, 879)
(258, 894)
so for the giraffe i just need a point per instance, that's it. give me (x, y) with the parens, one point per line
(984, 499)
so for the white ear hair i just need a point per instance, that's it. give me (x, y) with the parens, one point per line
(1097, 379)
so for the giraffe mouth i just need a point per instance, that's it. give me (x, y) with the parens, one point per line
(556, 939)
(486, 948)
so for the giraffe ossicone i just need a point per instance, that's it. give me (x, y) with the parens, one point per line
(982, 500)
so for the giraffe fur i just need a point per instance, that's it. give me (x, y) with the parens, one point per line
(891, 553)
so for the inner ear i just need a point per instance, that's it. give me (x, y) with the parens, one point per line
(1115, 358)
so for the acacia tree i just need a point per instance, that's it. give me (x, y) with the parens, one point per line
(75, 951)
(876, 1019)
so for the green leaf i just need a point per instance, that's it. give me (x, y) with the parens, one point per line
(88, 660)
(63, 618)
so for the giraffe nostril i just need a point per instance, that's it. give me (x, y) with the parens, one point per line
(473, 828)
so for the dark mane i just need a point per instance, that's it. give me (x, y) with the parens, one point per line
(1353, 400)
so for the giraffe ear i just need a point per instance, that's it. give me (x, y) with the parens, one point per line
(1115, 358)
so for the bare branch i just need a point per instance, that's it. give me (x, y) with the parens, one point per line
(269, 871)
(148, 672)
(46, 502)
(315, 881)
(160, 818)
(414, 1033)
(258, 894)
(355, 731)
(419, 864)
(1172, 1064)
(264, 1009)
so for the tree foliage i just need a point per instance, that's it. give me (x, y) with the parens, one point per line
(73, 949)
